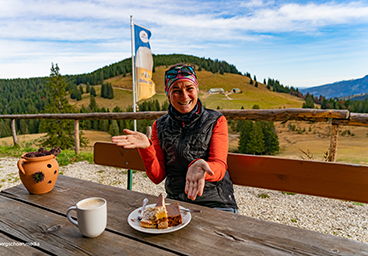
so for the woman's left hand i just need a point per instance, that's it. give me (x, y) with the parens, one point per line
(195, 179)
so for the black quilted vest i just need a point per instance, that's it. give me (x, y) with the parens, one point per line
(181, 144)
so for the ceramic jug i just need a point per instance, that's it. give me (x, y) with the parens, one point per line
(38, 174)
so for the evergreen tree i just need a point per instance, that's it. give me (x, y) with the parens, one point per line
(258, 146)
(78, 95)
(93, 91)
(271, 140)
(114, 128)
(110, 91)
(103, 90)
(94, 79)
(88, 124)
(60, 132)
(92, 103)
(107, 91)
(246, 137)
(257, 137)
(74, 92)
(101, 78)
(117, 109)
(33, 126)
(95, 125)
(88, 88)
(5, 130)
(309, 101)
(103, 125)
(23, 127)
(158, 107)
(124, 71)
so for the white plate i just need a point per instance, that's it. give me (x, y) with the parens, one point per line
(134, 222)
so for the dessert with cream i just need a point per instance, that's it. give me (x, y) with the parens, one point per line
(149, 218)
(161, 213)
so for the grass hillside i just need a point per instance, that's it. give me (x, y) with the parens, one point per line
(250, 95)
(315, 138)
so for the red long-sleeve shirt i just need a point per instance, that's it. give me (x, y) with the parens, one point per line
(154, 160)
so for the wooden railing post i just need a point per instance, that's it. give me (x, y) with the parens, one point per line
(333, 142)
(14, 132)
(76, 136)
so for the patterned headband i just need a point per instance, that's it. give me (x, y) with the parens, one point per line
(177, 74)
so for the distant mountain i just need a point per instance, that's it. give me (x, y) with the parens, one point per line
(339, 89)
(359, 97)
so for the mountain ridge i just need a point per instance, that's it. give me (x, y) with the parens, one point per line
(339, 89)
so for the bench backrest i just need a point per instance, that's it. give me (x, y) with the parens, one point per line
(333, 180)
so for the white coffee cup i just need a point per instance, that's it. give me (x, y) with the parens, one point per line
(91, 216)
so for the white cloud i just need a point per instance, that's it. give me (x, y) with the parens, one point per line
(87, 34)
(93, 20)
(256, 3)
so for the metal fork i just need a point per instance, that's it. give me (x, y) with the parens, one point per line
(140, 216)
(189, 210)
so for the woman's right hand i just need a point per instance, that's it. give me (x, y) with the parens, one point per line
(132, 139)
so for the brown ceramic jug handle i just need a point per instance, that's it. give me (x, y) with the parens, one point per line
(20, 166)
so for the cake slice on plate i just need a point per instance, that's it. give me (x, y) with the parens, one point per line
(149, 218)
(161, 216)
(173, 214)
(161, 213)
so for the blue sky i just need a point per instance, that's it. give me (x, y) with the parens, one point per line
(299, 43)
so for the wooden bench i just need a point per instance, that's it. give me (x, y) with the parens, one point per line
(325, 179)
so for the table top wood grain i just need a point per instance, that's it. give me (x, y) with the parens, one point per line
(41, 219)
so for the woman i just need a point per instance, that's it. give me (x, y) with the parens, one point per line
(189, 146)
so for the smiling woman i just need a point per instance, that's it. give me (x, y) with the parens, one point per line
(189, 146)
(181, 87)
(184, 96)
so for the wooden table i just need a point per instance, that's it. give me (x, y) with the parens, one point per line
(41, 220)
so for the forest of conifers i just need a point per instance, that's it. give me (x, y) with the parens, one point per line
(29, 96)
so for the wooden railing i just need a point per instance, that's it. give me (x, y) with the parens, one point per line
(335, 117)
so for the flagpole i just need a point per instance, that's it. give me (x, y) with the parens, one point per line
(133, 72)
(130, 172)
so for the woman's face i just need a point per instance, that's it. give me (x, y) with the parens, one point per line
(183, 96)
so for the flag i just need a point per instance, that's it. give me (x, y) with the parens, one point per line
(143, 63)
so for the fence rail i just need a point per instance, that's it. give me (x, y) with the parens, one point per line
(336, 117)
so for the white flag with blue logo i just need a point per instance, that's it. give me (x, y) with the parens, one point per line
(143, 63)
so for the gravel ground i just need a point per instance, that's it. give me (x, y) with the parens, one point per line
(334, 217)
